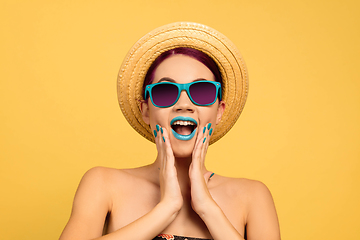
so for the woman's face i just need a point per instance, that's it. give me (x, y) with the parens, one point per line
(182, 69)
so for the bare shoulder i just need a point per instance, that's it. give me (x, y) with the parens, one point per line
(254, 189)
(254, 196)
(109, 178)
(100, 174)
(253, 192)
(104, 173)
(257, 194)
(92, 193)
(255, 204)
(248, 188)
(101, 184)
(97, 182)
(99, 190)
(101, 177)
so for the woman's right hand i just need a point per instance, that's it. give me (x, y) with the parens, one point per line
(169, 184)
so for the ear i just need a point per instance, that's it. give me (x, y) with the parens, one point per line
(220, 111)
(144, 107)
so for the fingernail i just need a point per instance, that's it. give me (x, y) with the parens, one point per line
(211, 130)
(157, 127)
(155, 134)
(161, 131)
(209, 126)
(211, 175)
(204, 140)
(164, 139)
(204, 129)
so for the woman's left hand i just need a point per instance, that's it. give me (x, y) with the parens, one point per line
(201, 198)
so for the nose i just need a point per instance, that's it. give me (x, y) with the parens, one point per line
(184, 103)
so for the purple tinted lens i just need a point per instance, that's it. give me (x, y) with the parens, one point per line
(164, 94)
(203, 93)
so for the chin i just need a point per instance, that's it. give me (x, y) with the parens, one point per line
(183, 149)
(182, 154)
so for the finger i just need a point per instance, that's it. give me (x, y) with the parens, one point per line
(208, 176)
(157, 137)
(160, 145)
(170, 160)
(206, 133)
(206, 141)
(200, 146)
(199, 139)
(196, 155)
(166, 140)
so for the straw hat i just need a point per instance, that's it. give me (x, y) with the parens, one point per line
(183, 34)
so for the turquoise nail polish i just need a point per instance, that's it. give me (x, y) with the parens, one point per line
(164, 139)
(161, 131)
(157, 127)
(209, 126)
(155, 134)
(204, 129)
(211, 130)
(204, 140)
(211, 175)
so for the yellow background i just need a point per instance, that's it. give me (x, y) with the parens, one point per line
(299, 132)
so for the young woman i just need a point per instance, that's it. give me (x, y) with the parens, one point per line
(182, 86)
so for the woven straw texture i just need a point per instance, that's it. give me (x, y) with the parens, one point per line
(183, 34)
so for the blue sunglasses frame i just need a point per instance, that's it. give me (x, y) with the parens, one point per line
(181, 87)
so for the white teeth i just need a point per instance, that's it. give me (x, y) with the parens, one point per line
(183, 123)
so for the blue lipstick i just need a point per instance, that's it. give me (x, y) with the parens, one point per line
(180, 136)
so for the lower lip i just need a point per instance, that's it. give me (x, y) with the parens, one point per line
(183, 137)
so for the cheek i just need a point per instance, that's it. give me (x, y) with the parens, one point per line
(158, 116)
(208, 114)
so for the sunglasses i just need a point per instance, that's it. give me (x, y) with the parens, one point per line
(166, 94)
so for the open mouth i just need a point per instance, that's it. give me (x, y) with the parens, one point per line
(183, 128)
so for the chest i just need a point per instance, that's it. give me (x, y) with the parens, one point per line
(131, 203)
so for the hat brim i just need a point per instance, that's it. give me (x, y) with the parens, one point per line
(183, 34)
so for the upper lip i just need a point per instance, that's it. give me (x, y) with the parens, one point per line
(181, 118)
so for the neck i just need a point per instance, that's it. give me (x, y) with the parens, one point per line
(182, 166)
